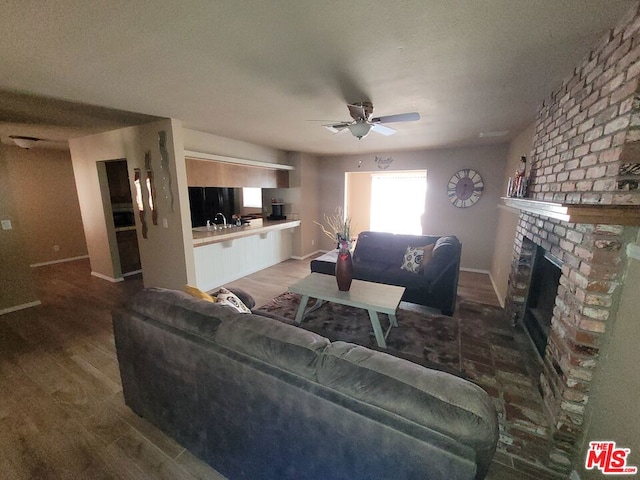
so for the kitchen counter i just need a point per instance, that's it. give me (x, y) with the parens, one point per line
(204, 236)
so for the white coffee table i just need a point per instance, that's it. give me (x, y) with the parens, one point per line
(373, 297)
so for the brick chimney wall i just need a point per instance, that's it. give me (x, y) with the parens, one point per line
(586, 150)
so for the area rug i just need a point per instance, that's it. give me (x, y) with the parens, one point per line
(431, 338)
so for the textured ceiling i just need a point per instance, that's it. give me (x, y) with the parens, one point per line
(271, 72)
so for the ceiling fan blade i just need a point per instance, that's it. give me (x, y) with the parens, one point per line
(357, 112)
(336, 127)
(401, 117)
(376, 127)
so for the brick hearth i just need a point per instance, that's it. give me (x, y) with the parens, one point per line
(586, 150)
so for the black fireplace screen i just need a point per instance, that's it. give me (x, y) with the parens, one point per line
(541, 299)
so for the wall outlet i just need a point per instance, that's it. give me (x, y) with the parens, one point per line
(6, 225)
(313, 242)
(56, 248)
(165, 223)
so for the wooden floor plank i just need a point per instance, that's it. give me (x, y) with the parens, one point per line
(151, 460)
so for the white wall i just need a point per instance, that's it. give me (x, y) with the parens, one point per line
(17, 289)
(474, 226)
(301, 201)
(46, 203)
(508, 217)
(166, 254)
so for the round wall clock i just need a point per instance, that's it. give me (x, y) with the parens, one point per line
(465, 187)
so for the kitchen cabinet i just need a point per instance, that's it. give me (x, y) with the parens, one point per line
(207, 173)
(128, 249)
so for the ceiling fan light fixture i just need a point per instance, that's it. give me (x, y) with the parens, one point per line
(24, 142)
(359, 129)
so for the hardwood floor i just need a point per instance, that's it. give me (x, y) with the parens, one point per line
(62, 414)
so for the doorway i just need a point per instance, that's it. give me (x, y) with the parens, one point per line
(122, 211)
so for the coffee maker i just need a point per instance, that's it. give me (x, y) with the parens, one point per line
(277, 210)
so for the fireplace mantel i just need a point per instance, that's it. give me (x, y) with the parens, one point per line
(578, 213)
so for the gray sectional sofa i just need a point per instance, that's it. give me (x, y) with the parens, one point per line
(259, 399)
(378, 257)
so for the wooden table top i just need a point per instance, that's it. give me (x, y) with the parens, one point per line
(368, 295)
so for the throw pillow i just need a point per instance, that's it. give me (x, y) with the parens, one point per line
(225, 297)
(244, 297)
(426, 256)
(197, 293)
(412, 259)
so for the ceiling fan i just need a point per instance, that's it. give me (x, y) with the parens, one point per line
(363, 122)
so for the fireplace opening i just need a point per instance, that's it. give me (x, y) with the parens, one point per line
(541, 299)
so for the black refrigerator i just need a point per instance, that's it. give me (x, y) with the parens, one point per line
(206, 202)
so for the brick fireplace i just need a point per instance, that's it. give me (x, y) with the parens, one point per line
(582, 208)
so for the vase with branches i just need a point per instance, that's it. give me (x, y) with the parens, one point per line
(338, 228)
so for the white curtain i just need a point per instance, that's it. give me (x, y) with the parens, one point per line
(398, 201)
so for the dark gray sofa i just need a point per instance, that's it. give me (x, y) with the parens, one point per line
(378, 257)
(259, 399)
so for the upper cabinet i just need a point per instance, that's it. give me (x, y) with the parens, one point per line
(224, 173)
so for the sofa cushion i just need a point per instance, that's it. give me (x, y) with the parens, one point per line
(181, 310)
(450, 405)
(402, 278)
(370, 272)
(374, 247)
(325, 263)
(400, 243)
(288, 347)
(388, 248)
(427, 253)
(445, 253)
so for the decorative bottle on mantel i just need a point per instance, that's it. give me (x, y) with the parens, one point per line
(521, 183)
(517, 187)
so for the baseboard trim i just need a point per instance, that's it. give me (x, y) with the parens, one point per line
(107, 278)
(134, 272)
(474, 270)
(296, 257)
(495, 290)
(61, 260)
(16, 308)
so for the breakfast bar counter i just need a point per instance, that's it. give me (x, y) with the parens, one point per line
(207, 235)
(224, 255)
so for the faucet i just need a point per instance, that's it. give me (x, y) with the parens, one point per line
(223, 219)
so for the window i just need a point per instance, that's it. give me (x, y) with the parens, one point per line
(252, 197)
(398, 201)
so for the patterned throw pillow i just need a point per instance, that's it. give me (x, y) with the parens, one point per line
(412, 259)
(225, 297)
